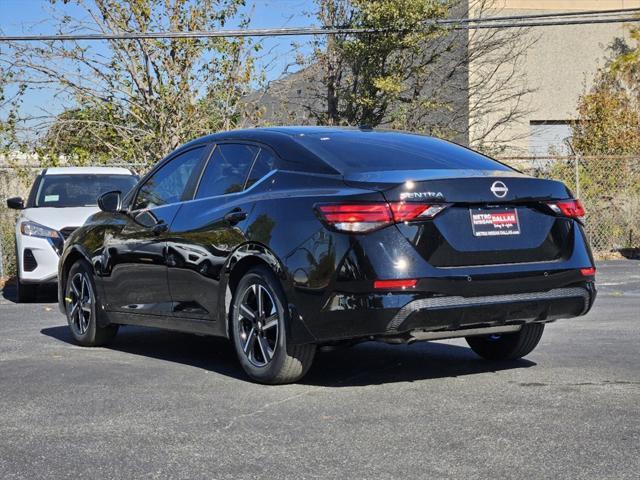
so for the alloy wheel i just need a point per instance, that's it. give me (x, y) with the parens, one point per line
(79, 303)
(257, 326)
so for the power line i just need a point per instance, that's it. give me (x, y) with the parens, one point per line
(549, 24)
(451, 24)
(579, 13)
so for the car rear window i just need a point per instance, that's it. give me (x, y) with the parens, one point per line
(358, 151)
(79, 190)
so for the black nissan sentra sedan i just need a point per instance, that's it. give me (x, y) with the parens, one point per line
(285, 240)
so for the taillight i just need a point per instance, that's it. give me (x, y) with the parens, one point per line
(568, 208)
(365, 217)
(357, 217)
(405, 212)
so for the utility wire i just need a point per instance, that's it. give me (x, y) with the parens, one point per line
(498, 25)
(579, 13)
(452, 24)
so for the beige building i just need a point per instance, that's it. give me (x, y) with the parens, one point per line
(560, 66)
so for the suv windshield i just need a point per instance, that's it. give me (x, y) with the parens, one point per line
(79, 190)
(354, 151)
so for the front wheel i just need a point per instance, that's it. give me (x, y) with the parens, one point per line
(508, 346)
(258, 321)
(81, 305)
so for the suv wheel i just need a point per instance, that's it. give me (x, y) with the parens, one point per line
(508, 346)
(81, 305)
(258, 327)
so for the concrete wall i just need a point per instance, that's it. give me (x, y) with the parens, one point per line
(561, 65)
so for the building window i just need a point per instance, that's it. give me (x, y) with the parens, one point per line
(549, 137)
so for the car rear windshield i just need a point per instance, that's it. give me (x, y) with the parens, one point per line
(358, 151)
(79, 190)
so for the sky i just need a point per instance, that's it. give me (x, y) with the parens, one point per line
(32, 17)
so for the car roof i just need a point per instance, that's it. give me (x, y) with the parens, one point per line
(86, 171)
(286, 141)
(270, 134)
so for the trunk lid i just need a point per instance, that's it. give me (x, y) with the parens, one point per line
(493, 217)
(458, 186)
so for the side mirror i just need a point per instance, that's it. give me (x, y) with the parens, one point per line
(110, 202)
(15, 203)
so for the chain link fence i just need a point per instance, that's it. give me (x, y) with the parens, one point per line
(609, 187)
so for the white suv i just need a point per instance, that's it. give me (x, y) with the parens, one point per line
(61, 199)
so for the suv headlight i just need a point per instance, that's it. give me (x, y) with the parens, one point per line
(32, 229)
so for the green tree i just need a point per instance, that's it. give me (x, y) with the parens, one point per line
(408, 73)
(609, 113)
(365, 74)
(608, 126)
(142, 98)
(10, 101)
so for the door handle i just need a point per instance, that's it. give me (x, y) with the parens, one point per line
(235, 216)
(159, 228)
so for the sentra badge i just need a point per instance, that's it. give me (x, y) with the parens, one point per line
(421, 196)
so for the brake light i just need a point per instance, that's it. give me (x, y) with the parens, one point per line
(588, 272)
(568, 208)
(390, 284)
(357, 217)
(365, 217)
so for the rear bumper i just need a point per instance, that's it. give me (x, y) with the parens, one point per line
(453, 311)
(348, 316)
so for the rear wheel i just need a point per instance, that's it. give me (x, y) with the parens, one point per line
(81, 305)
(258, 324)
(509, 346)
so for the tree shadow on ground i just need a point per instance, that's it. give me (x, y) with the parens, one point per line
(365, 364)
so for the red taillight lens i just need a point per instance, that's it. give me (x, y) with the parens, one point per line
(357, 217)
(405, 212)
(568, 208)
(390, 284)
(588, 272)
(365, 217)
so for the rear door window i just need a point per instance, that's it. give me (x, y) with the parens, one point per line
(227, 169)
(265, 163)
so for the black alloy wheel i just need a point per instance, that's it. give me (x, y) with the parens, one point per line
(258, 328)
(81, 305)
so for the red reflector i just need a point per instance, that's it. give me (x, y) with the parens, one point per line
(588, 272)
(395, 283)
(571, 208)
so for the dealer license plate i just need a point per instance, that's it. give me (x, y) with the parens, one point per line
(495, 222)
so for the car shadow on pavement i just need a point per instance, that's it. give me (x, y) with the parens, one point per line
(46, 293)
(365, 364)
(374, 363)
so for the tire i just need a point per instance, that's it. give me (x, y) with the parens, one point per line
(26, 292)
(82, 308)
(260, 340)
(509, 346)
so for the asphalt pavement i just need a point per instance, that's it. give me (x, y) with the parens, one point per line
(158, 404)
